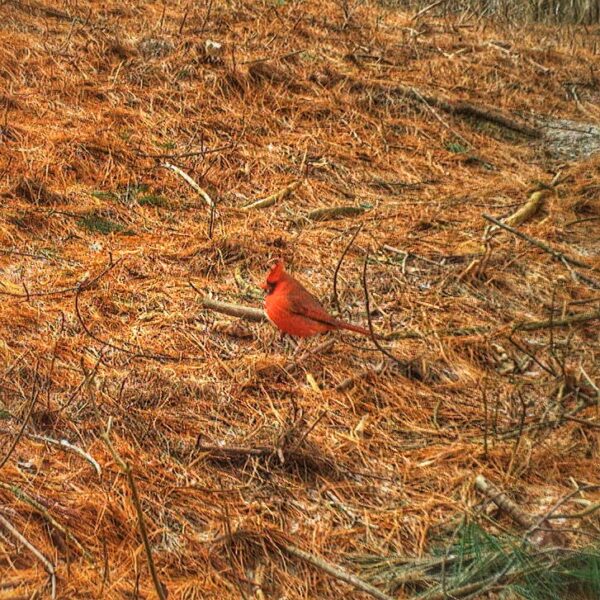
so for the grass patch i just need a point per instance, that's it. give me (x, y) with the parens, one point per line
(95, 223)
(456, 148)
(104, 195)
(153, 200)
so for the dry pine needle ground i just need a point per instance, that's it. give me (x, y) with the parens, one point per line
(233, 453)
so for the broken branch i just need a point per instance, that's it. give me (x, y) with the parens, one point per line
(25, 497)
(561, 256)
(50, 569)
(273, 198)
(461, 108)
(412, 334)
(128, 472)
(334, 212)
(501, 500)
(528, 209)
(233, 310)
(336, 571)
(201, 192)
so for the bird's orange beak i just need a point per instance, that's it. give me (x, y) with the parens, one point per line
(264, 286)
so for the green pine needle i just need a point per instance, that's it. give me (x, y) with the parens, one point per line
(478, 561)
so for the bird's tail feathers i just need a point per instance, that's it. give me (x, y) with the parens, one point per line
(355, 328)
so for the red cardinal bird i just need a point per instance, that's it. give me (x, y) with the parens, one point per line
(294, 310)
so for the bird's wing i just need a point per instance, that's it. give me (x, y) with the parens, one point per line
(303, 303)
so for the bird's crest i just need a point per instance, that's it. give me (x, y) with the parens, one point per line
(277, 270)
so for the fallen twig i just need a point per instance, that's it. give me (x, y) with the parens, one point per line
(406, 255)
(132, 353)
(34, 397)
(273, 198)
(460, 107)
(407, 367)
(500, 499)
(202, 193)
(25, 497)
(592, 508)
(126, 468)
(324, 347)
(528, 209)
(350, 381)
(333, 212)
(542, 524)
(201, 153)
(582, 405)
(592, 424)
(545, 534)
(561, 256)
(412, 334)
(66, 445)
(564, 322)
(339, 264)
(80, 285)
(233, 451)
(336, 571)
(428, 8)
(50, 569)
(233, 310)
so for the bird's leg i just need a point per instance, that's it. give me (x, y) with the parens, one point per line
(297, 349)
(290, 345)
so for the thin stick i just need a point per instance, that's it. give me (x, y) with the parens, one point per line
(132, 353)
(85, 284)
(269, 58)
(333, 212)
(407, 254)
(34, 397)
(405, 366)
(50, 569)
(25, 497)
(460, 107)
(185, 15)
(320, 349)
(572, 320)
(201, 192)
(337, 572)
(126, 468)
(339, 264)
(233, 310)
(529, 209)
(207, 15)
(591, 424)
(483, 329)
(555, 253)
(501, 500)
(231, 451)
(347, 383)
(273, 198)
(550, 512)
(66, 445)
(579, 515)
(190, 154)
(428, 8)
(439, 118)
(485, 417)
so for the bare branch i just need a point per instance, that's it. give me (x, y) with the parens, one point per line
(50, 569)
(201, 192)
(233, 310)
(337, 572)
(126, 468)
